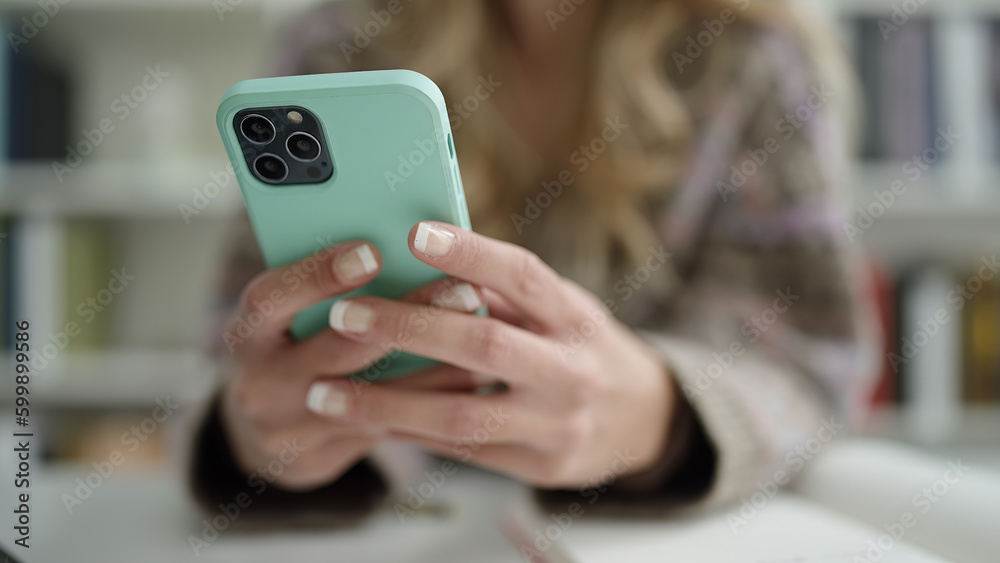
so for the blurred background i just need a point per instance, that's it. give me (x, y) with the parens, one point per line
(116, 209)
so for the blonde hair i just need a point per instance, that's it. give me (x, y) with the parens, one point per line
(601, 222)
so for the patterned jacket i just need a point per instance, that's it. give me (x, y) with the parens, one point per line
(767, 327)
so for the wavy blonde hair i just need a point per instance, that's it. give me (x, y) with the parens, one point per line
(601, 223)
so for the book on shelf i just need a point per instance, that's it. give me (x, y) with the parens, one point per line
(994, 78)
(942, 334)
(930, 342)
(981, 323)
(88, 266)
(7, 318)
(55, 274)
(881, 286)
(897, 73)
(39, 98)
(6, 58)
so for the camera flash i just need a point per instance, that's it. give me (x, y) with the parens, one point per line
(294, 116)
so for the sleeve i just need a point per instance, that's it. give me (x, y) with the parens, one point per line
(317, 44)
(219, 487)
(770, 336)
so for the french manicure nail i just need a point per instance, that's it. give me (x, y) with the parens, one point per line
(433, 240)
(348, 316)
(459, 297)
(356, 264)
(325, 399)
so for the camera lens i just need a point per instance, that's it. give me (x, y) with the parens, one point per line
(303, 146)
(270, 168)
(257, 129)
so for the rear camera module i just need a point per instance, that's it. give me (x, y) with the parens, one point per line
(270, 168)
(303, 146)
(283, 146)
(257, 129)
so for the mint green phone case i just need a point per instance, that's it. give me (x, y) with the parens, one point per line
(394, 165)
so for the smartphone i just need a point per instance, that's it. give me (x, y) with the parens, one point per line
(330, 158)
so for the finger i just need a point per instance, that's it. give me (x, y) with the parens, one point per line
(328, 353)
(447, 416)
(501, 309)
(448, 293)
(272, 299)
(322, 464)
(441, 378)
(274, 401)
(309, 432)
(478, 344)
(515, 273)
(518, 461)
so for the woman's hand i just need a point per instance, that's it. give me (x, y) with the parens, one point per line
(587, 399)
(268, 374)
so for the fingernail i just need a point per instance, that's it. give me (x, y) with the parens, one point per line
(433, 240)
(356, 264)
(348, 316)
(459, 297)
(324, 398)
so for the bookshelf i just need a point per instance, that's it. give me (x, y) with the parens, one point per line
(122, 190)
(134, 183)
(120, 379)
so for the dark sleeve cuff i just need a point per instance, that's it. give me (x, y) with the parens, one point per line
(220, 488)
(684, 476)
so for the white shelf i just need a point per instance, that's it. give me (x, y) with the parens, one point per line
(976, 427)
(950, 215)
(117, 379)
(161, 5)
(944, 192)
(116, 190)
(931, 8)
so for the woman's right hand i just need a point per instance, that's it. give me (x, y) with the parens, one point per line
(268, 374)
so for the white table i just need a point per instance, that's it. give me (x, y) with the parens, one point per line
(146, 517)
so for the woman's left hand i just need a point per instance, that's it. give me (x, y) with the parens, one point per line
(587, 400)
